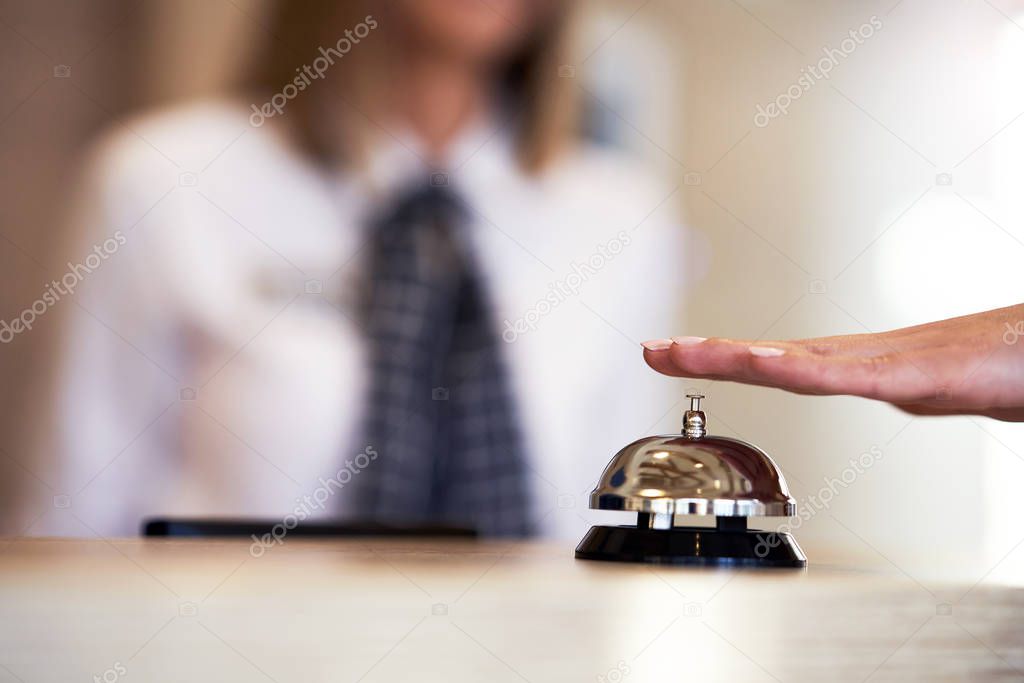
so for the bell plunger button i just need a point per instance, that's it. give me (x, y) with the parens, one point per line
(695, 422)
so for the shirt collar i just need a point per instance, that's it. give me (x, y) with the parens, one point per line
(397, 159)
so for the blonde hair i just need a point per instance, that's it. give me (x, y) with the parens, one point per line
(326, 121)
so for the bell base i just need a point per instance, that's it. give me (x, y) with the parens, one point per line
(694, 546)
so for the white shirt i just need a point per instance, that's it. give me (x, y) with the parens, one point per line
(227, 228)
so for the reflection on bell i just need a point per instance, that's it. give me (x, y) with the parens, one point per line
(662, 477)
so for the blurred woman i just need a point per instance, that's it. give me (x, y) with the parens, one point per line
(361, 288)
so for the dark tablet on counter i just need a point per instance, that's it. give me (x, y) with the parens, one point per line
(182, 527)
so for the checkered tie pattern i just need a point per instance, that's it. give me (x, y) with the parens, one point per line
(441, 413)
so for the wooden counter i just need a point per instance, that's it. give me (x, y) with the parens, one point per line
(356, 610)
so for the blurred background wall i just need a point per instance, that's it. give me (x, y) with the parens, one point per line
(46, 119)
(888, 195)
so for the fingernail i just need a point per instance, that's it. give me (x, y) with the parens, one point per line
(686, 341)
(765, 351)
(657, 344)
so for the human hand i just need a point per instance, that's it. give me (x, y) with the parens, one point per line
(968, 365)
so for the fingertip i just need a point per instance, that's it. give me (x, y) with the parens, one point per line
(656, 345)
(661, 361)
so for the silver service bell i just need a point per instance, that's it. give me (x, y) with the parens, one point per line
(664, 477)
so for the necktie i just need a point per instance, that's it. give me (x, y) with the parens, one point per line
(440, 407)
